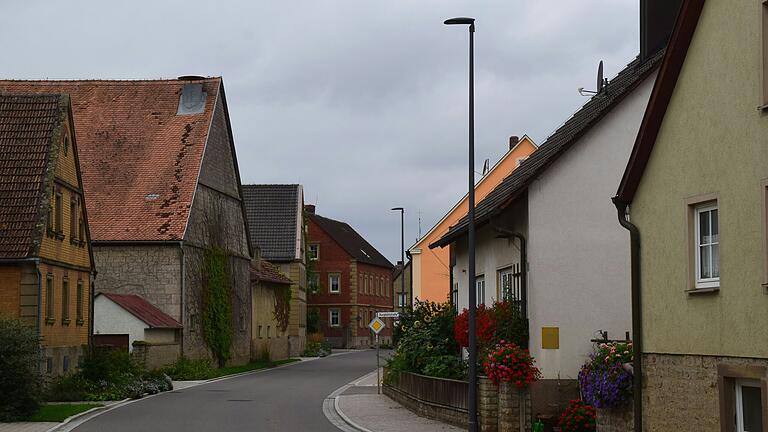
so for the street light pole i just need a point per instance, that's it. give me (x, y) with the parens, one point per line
(402, 257)
(472, 397)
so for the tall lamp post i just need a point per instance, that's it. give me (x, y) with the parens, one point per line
(472, 397)
(402, 257)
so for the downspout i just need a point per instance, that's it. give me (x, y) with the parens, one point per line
(91, 309)
(637, 335)
(410, 288)
(39, 326)
(523, 265)
(183, 299)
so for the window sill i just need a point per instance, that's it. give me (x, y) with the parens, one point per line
(50, 321)
(703, 291)
(80, 322)
(66, 321)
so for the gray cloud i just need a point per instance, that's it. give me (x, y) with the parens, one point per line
(363, 102)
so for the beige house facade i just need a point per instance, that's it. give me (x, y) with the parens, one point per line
(696, 191)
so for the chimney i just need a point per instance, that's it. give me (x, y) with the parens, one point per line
(657, 20)
(513, 140)
(309, 208)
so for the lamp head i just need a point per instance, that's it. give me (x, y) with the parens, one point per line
(459, 20)
(397, 209)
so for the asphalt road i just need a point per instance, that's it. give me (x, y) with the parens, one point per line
(286, 399)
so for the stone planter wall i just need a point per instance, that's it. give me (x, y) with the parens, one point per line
(514, 408)
(488, 405)
(620, 419)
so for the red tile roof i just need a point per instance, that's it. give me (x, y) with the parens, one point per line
(143, 310)
(269, 273)
(27, 125)
(140, 160)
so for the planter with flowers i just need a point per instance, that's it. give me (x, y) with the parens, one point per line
(512, 369)
(579, 417)
(605, 382)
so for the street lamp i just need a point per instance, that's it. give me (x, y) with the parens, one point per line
(472, 397)
(402, 257)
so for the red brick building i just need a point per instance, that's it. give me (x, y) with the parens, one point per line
(349, 282)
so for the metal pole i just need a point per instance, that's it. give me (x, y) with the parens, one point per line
(402, 258)
(378, 378)
(472, 399)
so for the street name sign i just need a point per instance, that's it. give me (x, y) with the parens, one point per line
(388, 314)
(377, 325)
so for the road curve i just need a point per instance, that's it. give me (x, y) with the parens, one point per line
(286, 399)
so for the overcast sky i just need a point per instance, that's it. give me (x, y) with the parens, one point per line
(361, 101)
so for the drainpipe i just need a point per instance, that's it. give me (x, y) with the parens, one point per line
(91, 309)
(39, 326)
(505, 233)
(183, 299)
(637, 339)
(410, 288)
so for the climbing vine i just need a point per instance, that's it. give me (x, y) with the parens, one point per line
(282, 306)
(217, 304)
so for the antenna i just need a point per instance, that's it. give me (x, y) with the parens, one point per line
(419, 226)
(486, 166)
(602, 83)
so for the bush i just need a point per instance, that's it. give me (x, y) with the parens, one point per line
(186, 369)
(20, 378)
(423, 334)
(579, 417)
(313, 320)
(501, 322)
(606, 378)
(446, 366)
(508, 362)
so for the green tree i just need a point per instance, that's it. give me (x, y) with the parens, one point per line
(20, 378)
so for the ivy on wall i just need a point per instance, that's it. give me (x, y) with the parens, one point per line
(282, 311)
(217, 304)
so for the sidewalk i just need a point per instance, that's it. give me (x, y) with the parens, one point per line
(26, 427)
(359, 405)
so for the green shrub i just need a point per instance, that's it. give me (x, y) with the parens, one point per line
(108, 364)
(20, 378)
(446, 366)
(317, 349)
(313, 320)
(186, 369)
(424, 333)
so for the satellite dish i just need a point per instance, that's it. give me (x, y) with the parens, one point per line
(600, 80)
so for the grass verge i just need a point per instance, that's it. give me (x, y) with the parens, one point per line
(252, 366)
(59, 412)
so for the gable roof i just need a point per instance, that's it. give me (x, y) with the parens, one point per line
(477, 185)
(28, 127)
(557, 144)
(140, 160)
(350, 241)
(269, 273)
(273, 212)
(665, 84)
(143, 310)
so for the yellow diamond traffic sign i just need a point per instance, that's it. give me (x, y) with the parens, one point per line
(376, 325)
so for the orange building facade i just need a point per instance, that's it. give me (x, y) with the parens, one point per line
(431, 267)
(46, 267)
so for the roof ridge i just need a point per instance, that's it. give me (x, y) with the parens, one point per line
(109, 81)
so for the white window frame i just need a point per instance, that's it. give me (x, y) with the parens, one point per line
(317, 252)
(712, 282)
(740, 383)
(480, 287)
(331, 276)
(402, 299)
(330, 317)
(508, 272)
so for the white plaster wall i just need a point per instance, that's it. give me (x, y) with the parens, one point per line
(491, 253)
(109, 318)
(579, 257)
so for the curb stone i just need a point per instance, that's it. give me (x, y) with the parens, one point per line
(334, 414)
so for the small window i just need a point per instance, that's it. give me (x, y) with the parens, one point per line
(707, 249)
(314, 252)
(334, 318)
(81, 232)
(49, 364)
(402, 300)
(58, 209)
(749, 406)
(49, 221)
(65, 300)
(269, 332)
(72, 220)
(65, 364)
(455, 296)
(334, 283)
(480, 284)
(49, 293)
(80, 300)
(260, 336)
(506, 277)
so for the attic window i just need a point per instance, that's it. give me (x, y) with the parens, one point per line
(151, 197)
(192, 99)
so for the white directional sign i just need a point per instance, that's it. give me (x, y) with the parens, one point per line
(377, 325)
(388, 314)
